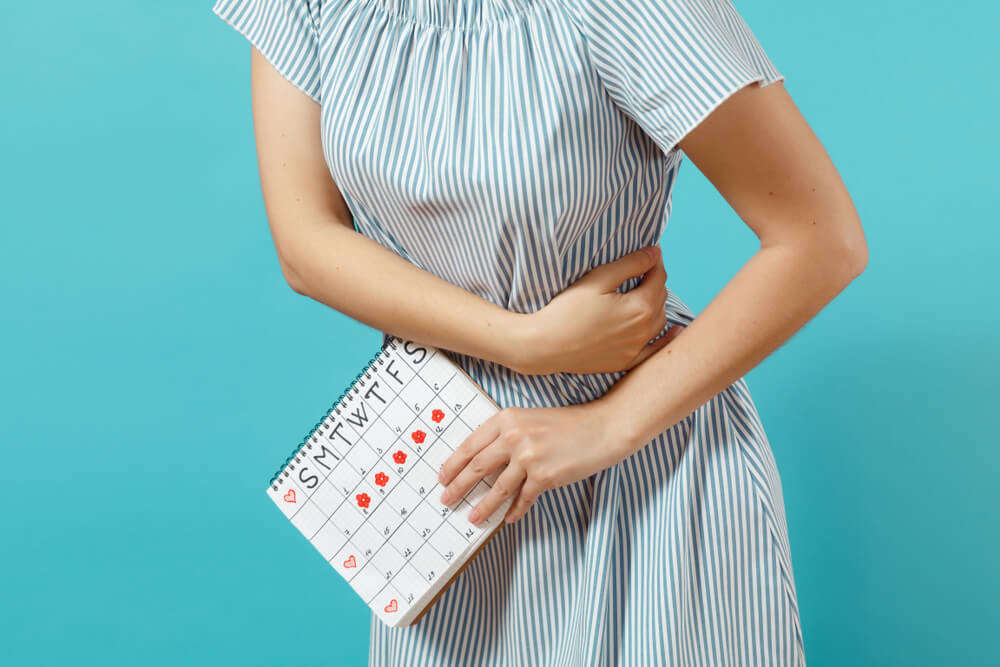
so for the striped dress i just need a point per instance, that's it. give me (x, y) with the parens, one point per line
(509, 147)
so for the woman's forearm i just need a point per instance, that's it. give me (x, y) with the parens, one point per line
(354, 275)
(770, 298)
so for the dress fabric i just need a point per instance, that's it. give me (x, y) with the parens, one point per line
(509, 147)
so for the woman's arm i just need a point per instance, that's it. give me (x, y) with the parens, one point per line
(322, 257)
(764, 159)
(590, 327)
(762, 156)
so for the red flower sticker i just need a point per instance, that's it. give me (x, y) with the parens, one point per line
(363, 499)
(418, 436)
(437, 415)
(399, 456)
(381, 479)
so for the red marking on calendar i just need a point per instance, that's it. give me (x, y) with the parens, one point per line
(400, 455)
(437, 415)
(418, 436)
(391, 606)
(290, 496)
(351, 562)
(363, 499)
(381, 479)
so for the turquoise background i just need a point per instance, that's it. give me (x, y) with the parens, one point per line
(156, 368)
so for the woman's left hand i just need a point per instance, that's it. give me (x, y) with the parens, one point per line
(542, 448)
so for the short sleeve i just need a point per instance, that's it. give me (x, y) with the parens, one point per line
(669, 63)
(286, 32)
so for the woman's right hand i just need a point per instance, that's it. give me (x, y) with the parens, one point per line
(591, 327)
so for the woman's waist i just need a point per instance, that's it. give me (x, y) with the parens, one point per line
(510, 388)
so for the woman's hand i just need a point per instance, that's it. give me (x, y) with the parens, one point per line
(542, 448)
(591, 327)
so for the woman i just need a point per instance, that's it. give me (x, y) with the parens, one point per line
(486, 177)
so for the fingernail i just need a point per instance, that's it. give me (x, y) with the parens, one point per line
(445, 498)
(473, 516)
(653, 252)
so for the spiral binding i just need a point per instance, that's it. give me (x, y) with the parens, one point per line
(388, 342)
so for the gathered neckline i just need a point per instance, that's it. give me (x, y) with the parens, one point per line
(456, 15)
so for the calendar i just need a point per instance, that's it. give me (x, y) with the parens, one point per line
(362, 487)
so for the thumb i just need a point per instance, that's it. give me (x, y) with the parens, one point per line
(613, 274)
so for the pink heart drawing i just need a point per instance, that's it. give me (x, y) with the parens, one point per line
(350, 562)
(290, 496)
(391, 606)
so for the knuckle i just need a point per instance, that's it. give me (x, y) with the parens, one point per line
(462, 448)
(641, 324)
(527, 455)
(644, 310)
(477, 465)
(543, 478)
(512, 434)
(506, 416)
(637, 310)
(503, 490)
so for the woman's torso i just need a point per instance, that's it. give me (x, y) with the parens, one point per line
(477, 141)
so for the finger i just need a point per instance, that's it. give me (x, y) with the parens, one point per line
(612, 274)
(650, 289)
(507, 484)
(658, 322)
(529, 494)
(472, 445)
(482, 464)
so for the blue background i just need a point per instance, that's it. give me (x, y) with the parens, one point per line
(156, 368)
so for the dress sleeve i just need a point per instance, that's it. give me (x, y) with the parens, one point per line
(669, 63)
(286, 32)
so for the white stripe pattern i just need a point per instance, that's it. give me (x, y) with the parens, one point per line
(509, 147)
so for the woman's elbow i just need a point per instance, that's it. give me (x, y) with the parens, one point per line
(842, 244)
(860, 260)
(855, 252)
(292, 277)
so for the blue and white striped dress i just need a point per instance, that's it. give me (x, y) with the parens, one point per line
(509, 147)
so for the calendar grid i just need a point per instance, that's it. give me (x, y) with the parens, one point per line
(423, 497)
(423, 500)
(440, 513)
(360, 434)
(361, 440)
(388, 515)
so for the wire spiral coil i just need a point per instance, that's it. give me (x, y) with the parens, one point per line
(388, 342)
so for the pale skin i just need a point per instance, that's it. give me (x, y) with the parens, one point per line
(586, 329)
(756, 148)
